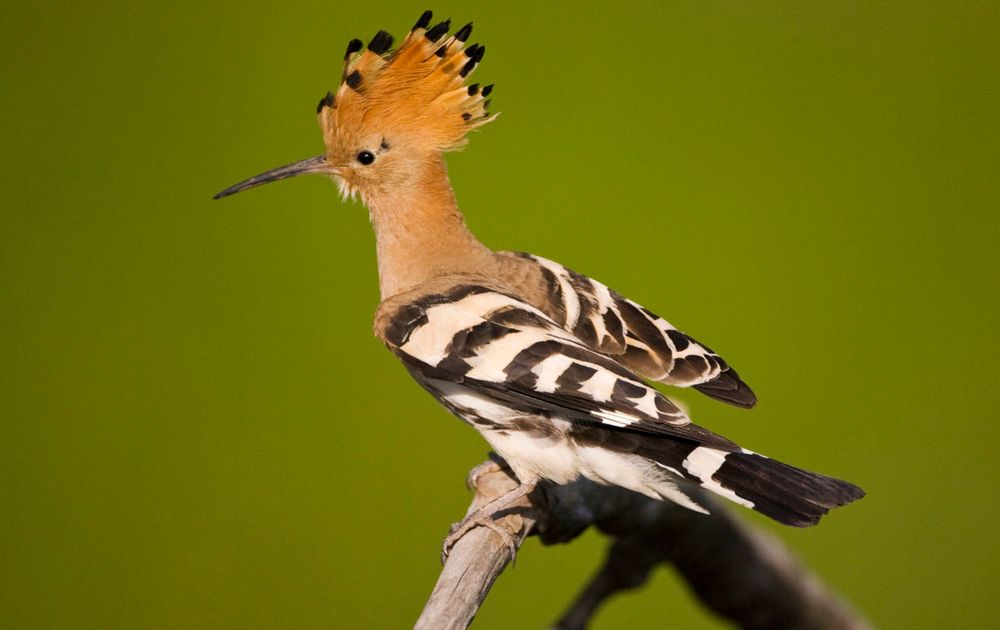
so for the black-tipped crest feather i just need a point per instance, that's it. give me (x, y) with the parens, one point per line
(326, 101)
(463, 33)
(423, 21)
(353, 46)
(435, 33)
(380, 43)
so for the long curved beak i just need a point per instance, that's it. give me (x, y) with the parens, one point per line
(316, 164)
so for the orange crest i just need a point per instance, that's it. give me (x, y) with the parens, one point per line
(414, 95)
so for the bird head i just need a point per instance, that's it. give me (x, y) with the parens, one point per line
(394, 110)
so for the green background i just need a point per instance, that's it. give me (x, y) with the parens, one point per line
(199, 430)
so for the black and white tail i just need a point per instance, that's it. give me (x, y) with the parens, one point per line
(787, 494)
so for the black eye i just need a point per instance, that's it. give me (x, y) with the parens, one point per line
(366, 157)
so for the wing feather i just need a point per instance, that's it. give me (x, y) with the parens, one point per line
(507, 349)
(637, 338)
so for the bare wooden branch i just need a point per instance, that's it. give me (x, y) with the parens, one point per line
(478, 557)
(736, 571)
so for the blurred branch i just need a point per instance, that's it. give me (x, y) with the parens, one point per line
(736, 571)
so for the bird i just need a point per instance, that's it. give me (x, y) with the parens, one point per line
(553, 368)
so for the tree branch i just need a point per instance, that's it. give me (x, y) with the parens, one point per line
(478, 557)
(736, 571)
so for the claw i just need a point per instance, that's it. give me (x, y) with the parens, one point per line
(458, 530)
(472, 479)
(483, 517)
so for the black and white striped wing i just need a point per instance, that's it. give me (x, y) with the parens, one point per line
(511, 352)
(506, 367)
(640, 340)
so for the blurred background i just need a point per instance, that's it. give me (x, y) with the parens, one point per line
(198, 429)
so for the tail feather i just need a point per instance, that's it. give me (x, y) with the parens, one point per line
(787, 494)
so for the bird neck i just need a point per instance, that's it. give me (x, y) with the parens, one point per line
(420, 233)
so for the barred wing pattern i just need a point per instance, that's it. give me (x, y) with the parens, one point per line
(637, 338)
(556, 409)
(474, 335)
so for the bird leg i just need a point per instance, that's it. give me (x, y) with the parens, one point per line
(484, 517)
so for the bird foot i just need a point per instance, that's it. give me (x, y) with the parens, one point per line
(458, 530)
(484, 517)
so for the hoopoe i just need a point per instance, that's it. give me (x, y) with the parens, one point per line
(550, 366)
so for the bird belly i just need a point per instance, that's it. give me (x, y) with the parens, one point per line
(535, 447)
(618, 469)
(533, 454)
(558, 458)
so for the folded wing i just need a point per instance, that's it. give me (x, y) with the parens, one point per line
(640, 340)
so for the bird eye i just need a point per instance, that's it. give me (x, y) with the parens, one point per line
(366, 157)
